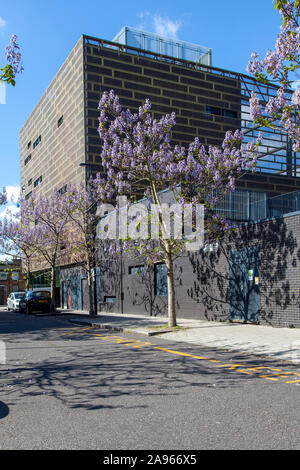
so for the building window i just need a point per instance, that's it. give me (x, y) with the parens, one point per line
(60, 121)
(221, 112)
(110, 299)
(136, 270)
(63, 190)
(160, 280)
(38, 181)
(28, 145)
(28, 195)
(27, 159)
(36, 143)
(15, 276)
(29, 182)
(3, 276)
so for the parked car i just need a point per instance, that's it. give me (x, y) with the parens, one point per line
(38, 300)
(15, 301)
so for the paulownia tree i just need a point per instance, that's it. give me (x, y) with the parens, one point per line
(45, 228)
(81, 242)
(280, 67)
(16, 241)
(140, 161)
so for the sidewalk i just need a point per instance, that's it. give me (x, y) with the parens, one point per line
(278, 343)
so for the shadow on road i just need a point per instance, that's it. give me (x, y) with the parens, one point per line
(84, 371)
(4, 410)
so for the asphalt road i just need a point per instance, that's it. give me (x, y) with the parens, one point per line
(68, 387)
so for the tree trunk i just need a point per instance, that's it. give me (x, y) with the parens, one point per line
(53, 284)
(171, 291)
(90, 288)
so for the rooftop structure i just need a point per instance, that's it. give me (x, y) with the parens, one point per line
(164, 46)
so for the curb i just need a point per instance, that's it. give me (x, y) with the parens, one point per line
(119, 329)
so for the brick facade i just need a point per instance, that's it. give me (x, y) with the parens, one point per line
(202, 278)
(11, 280)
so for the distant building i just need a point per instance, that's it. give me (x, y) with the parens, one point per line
(11, 279)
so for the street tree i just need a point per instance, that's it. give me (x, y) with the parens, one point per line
(81, 242)
(140, 161)
(45, 229)
(16, 241)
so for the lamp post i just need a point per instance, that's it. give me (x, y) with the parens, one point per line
(90, 166)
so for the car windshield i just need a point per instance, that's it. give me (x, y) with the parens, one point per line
(42, 294)
(19, 295)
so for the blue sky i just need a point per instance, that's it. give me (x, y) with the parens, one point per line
(47, 32)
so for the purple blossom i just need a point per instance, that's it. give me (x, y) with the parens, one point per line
(13, 55)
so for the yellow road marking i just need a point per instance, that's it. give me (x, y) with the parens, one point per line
(78, 331)
(276, 373)
(119, 340)
(256, 369)
(231, 366)
(182, 354)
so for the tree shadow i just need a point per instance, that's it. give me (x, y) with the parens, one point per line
(219, 277)
(140, 291)
(4, 410)
(109, 376)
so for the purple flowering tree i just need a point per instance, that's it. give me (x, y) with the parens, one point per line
(280, 67)
(82, 244)
(46, 228)
(14, 62)
(140, 161)
(16, 240)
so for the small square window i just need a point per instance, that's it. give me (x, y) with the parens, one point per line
(63, 190)
(38, 181)
(136, 270)
(36, 143)
(27, 159)
(60, 121)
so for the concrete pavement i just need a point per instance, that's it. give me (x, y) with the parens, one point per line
(278, 343)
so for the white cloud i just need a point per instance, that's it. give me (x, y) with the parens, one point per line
(163, 26)
(158, 24)
(13, 194)
(2, 22)
(11, 208)
(9, 211)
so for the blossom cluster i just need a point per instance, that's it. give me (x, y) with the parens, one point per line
(136, 148)
(13, 55)
(279, 67)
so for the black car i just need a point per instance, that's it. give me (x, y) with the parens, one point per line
(39, 300)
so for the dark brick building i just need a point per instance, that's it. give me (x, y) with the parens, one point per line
(253, 276)
(208, 101)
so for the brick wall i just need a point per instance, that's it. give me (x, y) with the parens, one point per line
(202, 278)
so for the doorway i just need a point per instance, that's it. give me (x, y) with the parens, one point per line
(244, 284)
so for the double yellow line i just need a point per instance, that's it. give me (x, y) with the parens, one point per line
(272, 374)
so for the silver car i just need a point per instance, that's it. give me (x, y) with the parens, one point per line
(15, 301)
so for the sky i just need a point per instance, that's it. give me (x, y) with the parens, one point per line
(47, 32)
